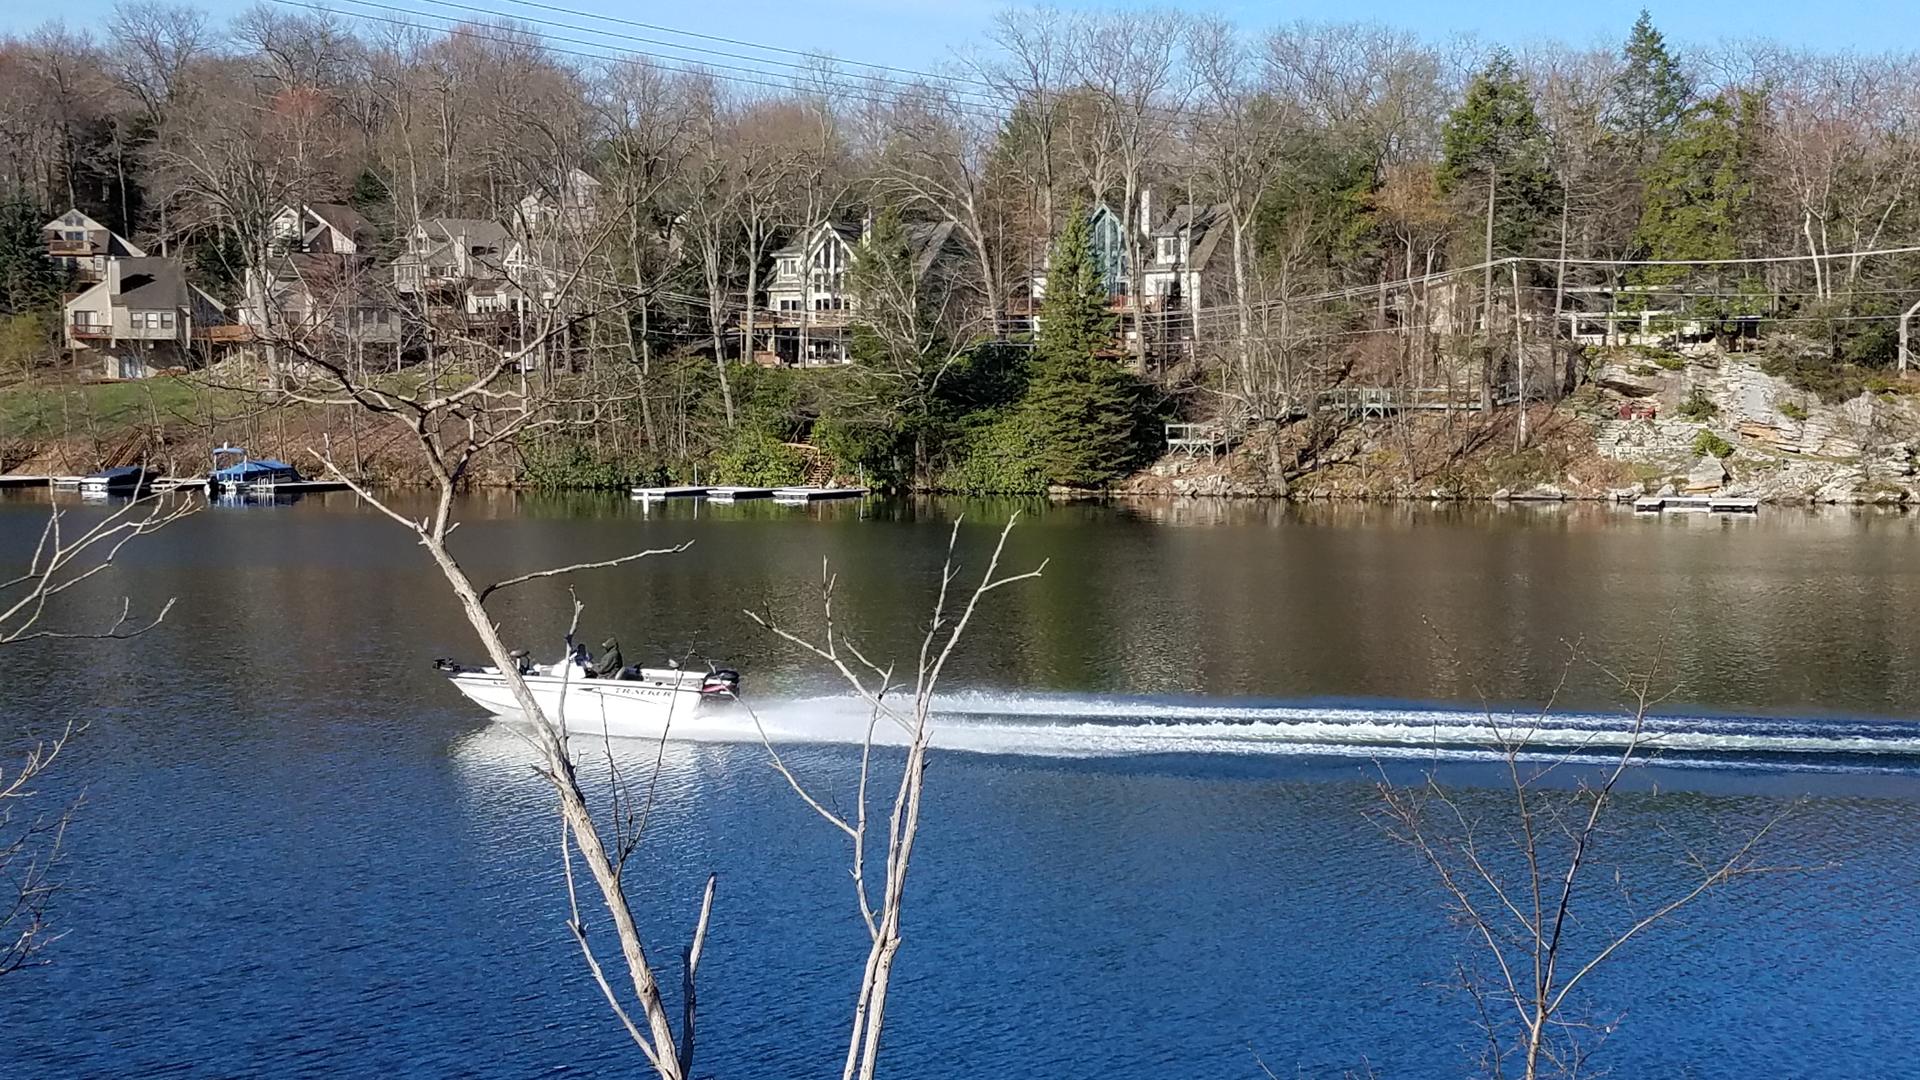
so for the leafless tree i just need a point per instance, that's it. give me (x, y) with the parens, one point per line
(1131, 64)
(1526, 880)
(901, 712)
(31, 838)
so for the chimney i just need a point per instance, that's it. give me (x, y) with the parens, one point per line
(113, 276)
(1146, 211)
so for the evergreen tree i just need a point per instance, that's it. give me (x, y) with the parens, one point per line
(1075, 322)
(1651, 97)
(1698, 194)
(1086, 412)
(1495, 155)
(29, 281)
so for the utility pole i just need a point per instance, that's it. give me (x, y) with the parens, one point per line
(1519, 358)
(1906, 325)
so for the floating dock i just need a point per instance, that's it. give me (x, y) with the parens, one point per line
(795, 495)
(653, 494)
(25, 481)
(291, 487)
(733, 494)
(1696, 504)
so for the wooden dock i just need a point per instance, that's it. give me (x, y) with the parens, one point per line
(25, 481)
(294, 487)
(654, 494)
(798, 495)
(1696, 504)
(734, 494)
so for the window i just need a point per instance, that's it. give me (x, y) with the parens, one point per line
(789, 267)
(76, 235)
(789, 305)
(166, 319)
(1169, 249)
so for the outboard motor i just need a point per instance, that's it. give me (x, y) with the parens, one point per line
(447, 665)
(724, 681)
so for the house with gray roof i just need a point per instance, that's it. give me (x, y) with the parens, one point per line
(143, 316)
(83, 246)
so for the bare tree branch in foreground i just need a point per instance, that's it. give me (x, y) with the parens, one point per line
(1519, 882)
(906, 708)
(61, 561)
(31, 842)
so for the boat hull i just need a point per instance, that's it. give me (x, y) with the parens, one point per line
(621, 708)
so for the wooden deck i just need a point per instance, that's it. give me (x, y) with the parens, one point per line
(734, 494)
(1696, 504)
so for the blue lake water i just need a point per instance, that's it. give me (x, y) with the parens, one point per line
(1158, 854)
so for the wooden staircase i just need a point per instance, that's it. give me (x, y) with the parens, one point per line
(819, 465)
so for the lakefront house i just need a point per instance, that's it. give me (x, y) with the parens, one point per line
(141, 317)
(84, 247)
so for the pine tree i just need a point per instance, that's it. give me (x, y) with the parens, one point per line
(1698, 192)
(1495, 152)
(29, 281)
(1075, 322)
(1086, 412)
(1652, 94)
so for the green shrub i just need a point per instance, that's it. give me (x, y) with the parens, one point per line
(1831, 381)
(1698, 406)
(1708, 443)
(757, 458)
(999, 458)
(1670, 363)
(576, 465)
(1643, 370)
(1793, 410)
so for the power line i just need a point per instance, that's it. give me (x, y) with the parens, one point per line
(723, 40)
(879, 97)
(800, 68)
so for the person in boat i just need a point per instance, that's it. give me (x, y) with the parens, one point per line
(611, 664)
(575, 656)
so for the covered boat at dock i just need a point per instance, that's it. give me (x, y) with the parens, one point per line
(248, 473)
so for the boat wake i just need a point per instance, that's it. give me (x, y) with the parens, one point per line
(1088, 727)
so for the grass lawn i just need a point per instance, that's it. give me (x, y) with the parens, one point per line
(32, 412)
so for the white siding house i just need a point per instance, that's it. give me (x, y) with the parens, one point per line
(142, 317)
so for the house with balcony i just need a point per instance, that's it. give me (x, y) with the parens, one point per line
(324, 300)
(811, 309)
(1188, 257)
(808, 321)
(460, 264)
(83, 246)
(320, 283)
(142, 317)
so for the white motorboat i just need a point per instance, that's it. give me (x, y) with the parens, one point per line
(637, 702)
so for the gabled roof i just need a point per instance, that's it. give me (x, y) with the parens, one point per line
(848, 233)
(1207, 223)
(346, 221)
(149, 284)
(474, 230)
(96, 233)
(926, 240)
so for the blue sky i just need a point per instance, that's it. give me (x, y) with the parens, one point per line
(919, 32)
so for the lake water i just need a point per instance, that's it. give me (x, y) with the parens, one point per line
(302, 854)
